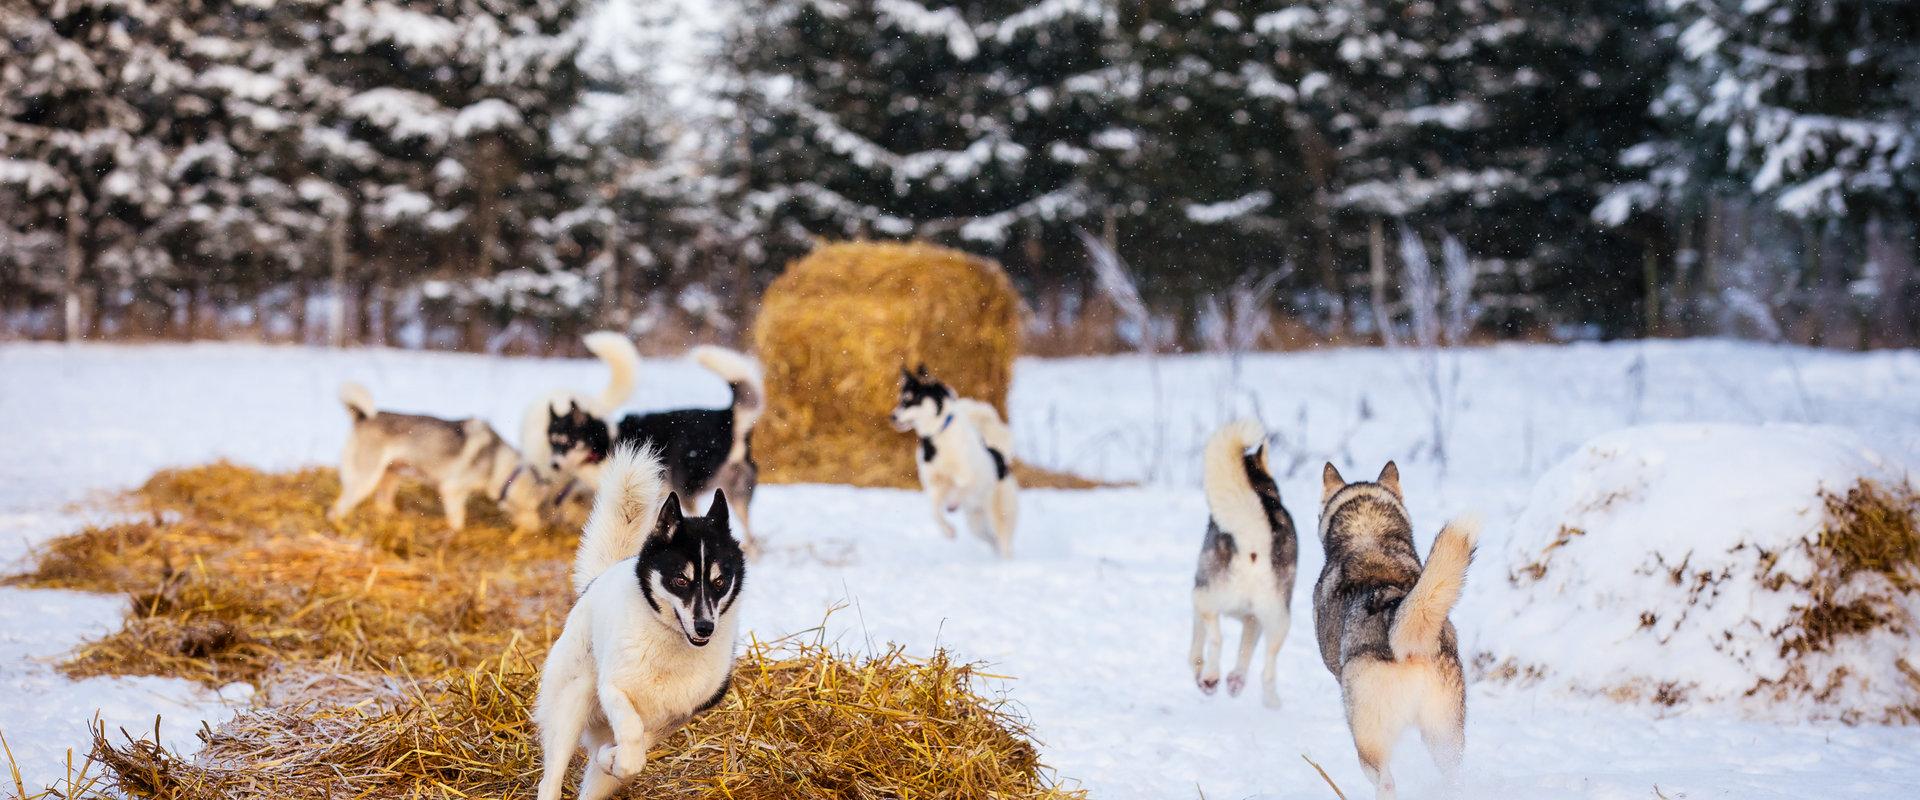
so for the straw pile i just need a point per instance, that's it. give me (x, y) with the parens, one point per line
(235, 573)
(801, 722)
(834, 332)
(397, 659)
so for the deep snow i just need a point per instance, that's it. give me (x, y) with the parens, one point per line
(1092, 615)
(1688, 549)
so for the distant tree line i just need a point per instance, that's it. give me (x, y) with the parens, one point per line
(464, 173)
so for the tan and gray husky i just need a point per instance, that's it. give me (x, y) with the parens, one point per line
(1247, 561)
(459, 458)
(1382, 622)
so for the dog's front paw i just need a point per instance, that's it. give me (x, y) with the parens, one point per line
(628, 762)
(603, 758)
(1235, 682)
(622, 761)
(1209, 684)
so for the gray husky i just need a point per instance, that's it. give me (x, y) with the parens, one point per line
(1382, 622)
(1247, 561)
(459, 458)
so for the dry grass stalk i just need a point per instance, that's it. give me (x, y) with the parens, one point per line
(400, 661)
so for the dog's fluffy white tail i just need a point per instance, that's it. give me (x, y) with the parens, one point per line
(624, 505)
(742, 376)
(623, 365)
(1423, 613)
(1230, 496)
(359, 401)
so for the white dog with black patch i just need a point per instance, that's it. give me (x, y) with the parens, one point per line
(649, 644)
(964, 459)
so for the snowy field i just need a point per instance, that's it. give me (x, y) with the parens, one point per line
(1092, 617)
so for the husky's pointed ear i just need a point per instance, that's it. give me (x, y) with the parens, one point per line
(906, 376)
(718, 511)
(552, 415)
(923, 370)
(670, 517)
(1390, 478)
(1260, 457)
(1330, 482)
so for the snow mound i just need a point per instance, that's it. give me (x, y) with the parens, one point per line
(1690, 565)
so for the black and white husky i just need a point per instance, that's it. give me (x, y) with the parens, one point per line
(1382, 622)
(964, 458)
(460, 458)
(649, 643)
(1247, 561)
(705, 450)
(623, 374)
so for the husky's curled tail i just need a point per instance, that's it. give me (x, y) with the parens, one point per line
(623, 375)
(1423, 613)
(623, 369)
(1229, 487)
(358, 400)
(625, 503)
(749, 393)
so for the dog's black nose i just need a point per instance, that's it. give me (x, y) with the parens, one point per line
(703, 628)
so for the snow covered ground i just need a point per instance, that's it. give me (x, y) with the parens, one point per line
(1092, 617)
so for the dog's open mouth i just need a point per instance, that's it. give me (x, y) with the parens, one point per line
(899, 424)
(697, 641)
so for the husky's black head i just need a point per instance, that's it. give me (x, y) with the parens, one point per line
(691, 568)
(576, 437)
(923, 400)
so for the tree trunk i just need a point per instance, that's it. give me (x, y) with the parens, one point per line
(1377, 274)
(1650, 271)
(76, 265)
(337, 255)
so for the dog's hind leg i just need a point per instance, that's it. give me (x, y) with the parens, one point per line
(1443, 727)
(1249, 638)
(1276, 630)
(385, 494)
(737, 503)
(357, 480)
(1197, 654)
(1376, 719)
(1208, 623)
(562, 718)
(1006, 511)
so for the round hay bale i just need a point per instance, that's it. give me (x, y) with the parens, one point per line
(836, 328)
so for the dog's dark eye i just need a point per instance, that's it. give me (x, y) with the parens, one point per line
(719, 584)
(680, 583)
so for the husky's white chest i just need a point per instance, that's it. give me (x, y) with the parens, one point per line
(665, 676)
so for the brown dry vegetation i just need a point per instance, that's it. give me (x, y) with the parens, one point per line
(398, 659)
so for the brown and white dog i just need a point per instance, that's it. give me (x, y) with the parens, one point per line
(1382, 622)
(459, 458)
(1247, 561)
